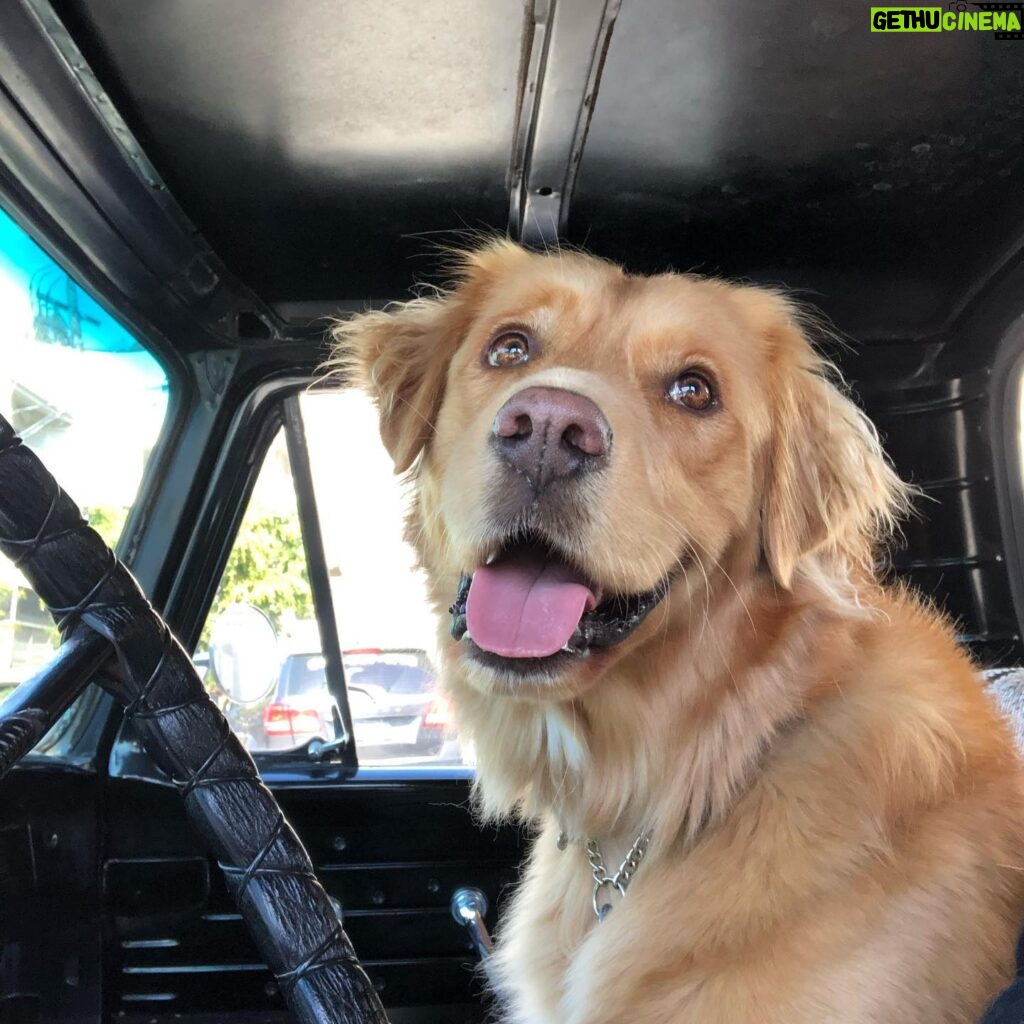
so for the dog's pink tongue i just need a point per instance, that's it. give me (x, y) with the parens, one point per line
(526, 607)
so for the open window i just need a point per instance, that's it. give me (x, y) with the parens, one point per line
(320, 641)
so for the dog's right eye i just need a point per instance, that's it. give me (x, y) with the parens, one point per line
(509, 349)
(692, 391)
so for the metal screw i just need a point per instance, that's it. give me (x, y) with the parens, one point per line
(52, 841)
(338, 844)
(377, 897)
(433, 885)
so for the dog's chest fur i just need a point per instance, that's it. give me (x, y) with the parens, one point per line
(551, 930)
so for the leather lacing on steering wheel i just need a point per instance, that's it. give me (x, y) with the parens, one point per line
(190, 740)
(137, 709)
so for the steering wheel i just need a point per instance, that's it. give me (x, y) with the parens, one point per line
(100, 612)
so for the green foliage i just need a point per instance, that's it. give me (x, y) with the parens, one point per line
(267, 566)
(108, 523)
(267, 569)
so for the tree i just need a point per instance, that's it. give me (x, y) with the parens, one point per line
(267, 569)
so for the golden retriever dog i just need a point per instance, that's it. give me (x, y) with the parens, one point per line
(649, 515)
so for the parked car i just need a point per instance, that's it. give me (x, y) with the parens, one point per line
(392, 694)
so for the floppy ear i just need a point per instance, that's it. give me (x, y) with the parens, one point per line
(400, 356)
(830, 491)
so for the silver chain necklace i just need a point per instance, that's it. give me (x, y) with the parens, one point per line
(619, 882)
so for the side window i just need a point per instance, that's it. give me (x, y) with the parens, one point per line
(71, 377)
(262, 620)
(386, 631)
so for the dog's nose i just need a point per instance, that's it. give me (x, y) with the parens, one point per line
(551, 434)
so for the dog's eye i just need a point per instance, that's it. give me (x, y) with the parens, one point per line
(692, 391)
(509, 349)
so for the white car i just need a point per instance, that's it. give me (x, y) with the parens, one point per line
(392, 693)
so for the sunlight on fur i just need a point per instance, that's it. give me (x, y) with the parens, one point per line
(836, 807)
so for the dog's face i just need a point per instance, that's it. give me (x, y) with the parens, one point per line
(591, 447)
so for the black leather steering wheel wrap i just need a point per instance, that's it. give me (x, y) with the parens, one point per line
(266, 868)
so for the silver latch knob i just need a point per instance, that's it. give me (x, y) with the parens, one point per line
(469, 906)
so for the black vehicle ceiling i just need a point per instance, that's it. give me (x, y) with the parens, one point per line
(322, 148)
(229, 172)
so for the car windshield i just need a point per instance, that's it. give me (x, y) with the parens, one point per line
(71, 378)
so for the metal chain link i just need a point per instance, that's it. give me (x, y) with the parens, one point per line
(621, 879)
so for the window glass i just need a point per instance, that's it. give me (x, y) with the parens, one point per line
(71, 378)
(386, 629)
(266, 578)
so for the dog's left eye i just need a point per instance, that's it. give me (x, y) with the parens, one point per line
(692, 391)
(509, 349)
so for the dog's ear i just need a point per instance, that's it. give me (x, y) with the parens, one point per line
(400, 356)
(830, 492)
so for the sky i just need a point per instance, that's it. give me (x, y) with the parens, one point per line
(104, 380)
(112, 390)
(381, 597)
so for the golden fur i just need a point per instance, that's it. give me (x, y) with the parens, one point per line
(836, 807)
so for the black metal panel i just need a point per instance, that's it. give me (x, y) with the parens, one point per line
(51, 925)
(790, 143)
(953, 551)
(391, 853)
(309, 139)
(69, 164)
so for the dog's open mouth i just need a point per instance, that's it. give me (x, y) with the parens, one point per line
(529, 604)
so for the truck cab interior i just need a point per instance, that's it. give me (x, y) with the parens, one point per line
(190, 191)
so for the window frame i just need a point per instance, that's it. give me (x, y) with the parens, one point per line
(1006, 430)
(318, 573)
(255, 424)
(255, 421)
(197, 483)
